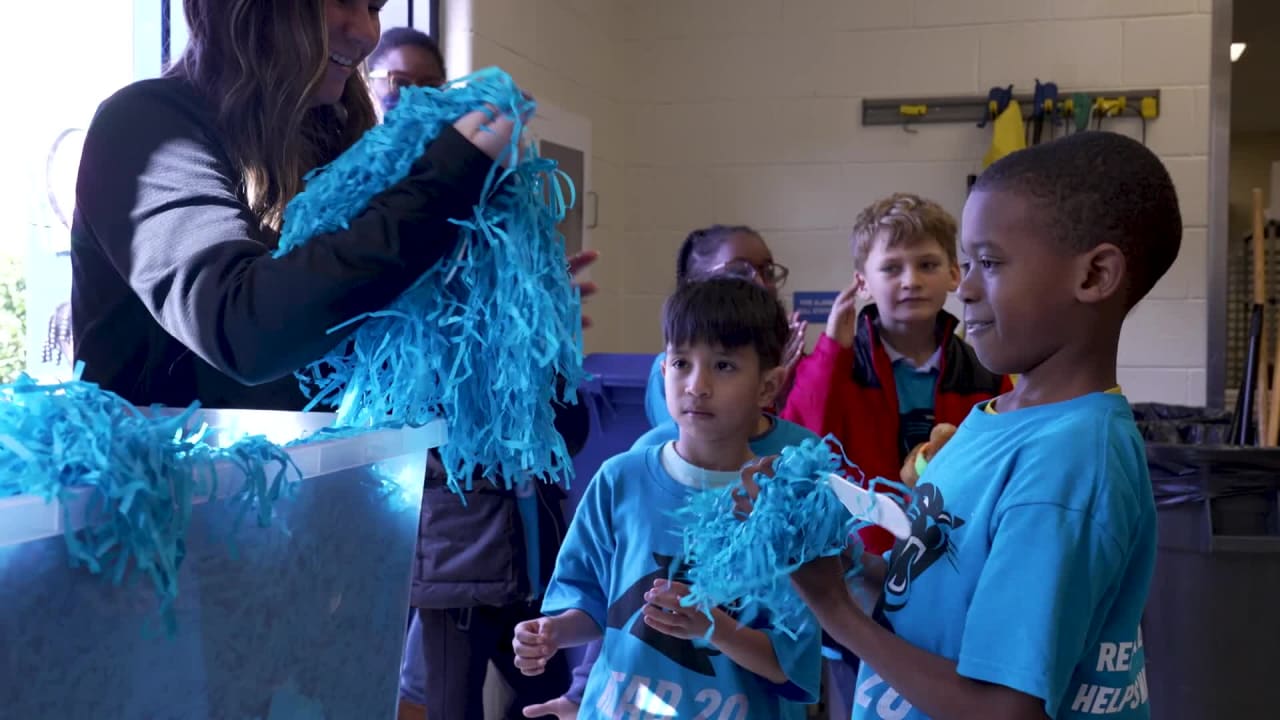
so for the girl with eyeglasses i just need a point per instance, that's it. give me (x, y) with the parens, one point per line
(733, 251)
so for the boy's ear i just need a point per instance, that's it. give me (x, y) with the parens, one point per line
(954, 285)
(1101, 274)
(770, 384)
(860, 280)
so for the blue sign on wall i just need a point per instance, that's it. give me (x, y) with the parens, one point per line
(814, 307)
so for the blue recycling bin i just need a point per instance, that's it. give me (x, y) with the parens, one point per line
(615, 397)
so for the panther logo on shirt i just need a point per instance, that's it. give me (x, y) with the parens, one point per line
(631, 601)
(931, 528)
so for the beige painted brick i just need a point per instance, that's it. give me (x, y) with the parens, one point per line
(641, 323)
(531, 77)
(897, 63)
(682, 132)
(636, 65)
(1074, 54)
(670, 198)
(793, 197)
(831, 130)
(600, 61)
(1166, 51)
(608, 130)
(1206, 6)
(611, 269)
(509, 23)
(559, 37)
(601, 17)
(942, 182)
(975, 12)
(637, 129)
(651, 19)
(818, 259)
(685, 69)
(648, 261)
(1079, 9)
(1188, 277)
(1183, 125)
(749, 131)
(608, 181)
(748, 66)
(606, 331)
(1191, 178)
(1165, 333)
(1163, 385)
(806, 16)
(732, 17)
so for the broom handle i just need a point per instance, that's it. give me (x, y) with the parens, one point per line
(1260, 298)
(1273, 418)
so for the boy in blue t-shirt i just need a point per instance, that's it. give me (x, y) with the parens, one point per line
(1020, 591)
(618, 573)
(773, 434)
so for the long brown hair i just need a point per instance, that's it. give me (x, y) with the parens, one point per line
(258, 62)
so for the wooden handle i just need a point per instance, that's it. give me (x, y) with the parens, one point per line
(1260, 298)
(1259, 251)
(1273, 417)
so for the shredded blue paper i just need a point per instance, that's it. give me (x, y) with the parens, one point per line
(479, 339)
(744, 564)
(142, 472)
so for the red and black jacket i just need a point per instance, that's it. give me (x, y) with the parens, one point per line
(850, 393)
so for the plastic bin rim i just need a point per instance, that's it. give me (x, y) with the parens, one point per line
(26, 518)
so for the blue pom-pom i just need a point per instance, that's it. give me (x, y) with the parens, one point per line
(141, 472)
(479, 339)
(744, 564)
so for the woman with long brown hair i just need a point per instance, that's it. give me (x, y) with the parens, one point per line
(182, 188)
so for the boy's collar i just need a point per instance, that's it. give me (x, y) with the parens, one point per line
(933, 363)
(869, 326)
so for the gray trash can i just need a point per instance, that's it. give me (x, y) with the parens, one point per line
(1212, 624)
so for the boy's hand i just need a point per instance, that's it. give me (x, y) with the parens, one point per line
(744, 499)
(560, 709)
(535, 643)
(842, 323)
(818, 581)
(795, 343)
(665, 614)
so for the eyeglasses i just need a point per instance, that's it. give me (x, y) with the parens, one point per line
(397, 81)
(770, 273)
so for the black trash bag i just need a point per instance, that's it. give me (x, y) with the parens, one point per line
(1182, 424)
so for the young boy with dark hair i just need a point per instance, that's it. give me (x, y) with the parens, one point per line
(1020, 592)
(619, 574)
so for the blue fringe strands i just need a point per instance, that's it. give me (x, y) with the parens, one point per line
(744, 564)
(479, 339)
(140, 473)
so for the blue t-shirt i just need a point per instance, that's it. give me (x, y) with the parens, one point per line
(622, 539)
(1033, 546)
(916, 388)
(781, 434)
(655, 394)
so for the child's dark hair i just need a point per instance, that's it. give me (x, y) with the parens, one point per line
(1099, 187)
(729, 313)
(702, 244)
(405, 37)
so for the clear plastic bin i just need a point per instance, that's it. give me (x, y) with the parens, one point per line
(303, 619)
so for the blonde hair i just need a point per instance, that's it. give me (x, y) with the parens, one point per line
(899, 219)
(259, 62)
